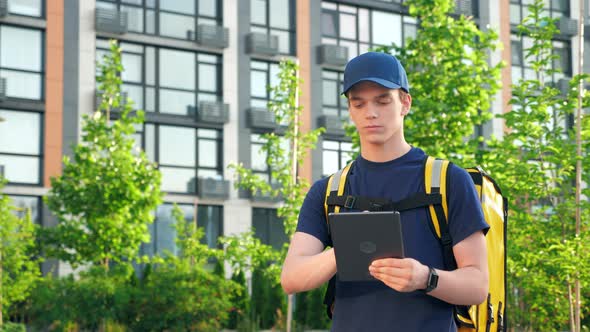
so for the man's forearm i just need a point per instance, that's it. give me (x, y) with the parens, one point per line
(465, 286)
(303, 273)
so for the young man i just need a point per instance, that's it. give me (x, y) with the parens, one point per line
(388, 167)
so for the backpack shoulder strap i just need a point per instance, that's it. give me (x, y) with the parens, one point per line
(435, 181)
(335, 187)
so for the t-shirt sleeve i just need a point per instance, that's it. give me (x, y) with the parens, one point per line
(465, 212)
(312, 217)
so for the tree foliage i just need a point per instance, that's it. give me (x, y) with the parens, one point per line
(107, 191)
(450, 77)
(19, 259)
(535, 163)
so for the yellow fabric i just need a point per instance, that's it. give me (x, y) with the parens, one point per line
(327, 194)
(342, 184)
(428, 187)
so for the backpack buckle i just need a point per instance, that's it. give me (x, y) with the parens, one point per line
(349, 203)
(446, 239)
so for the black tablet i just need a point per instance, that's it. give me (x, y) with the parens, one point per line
(359, 238)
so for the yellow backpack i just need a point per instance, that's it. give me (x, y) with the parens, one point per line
(487, 316)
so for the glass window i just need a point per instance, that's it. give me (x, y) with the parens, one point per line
(183, 77)
(21, 62)
(173, 19)
(25, 7)
(207, 7)
(210, 219)
(279, 14)
(335, 155)
(27, 203)
(360, 29)
(163, 234)
(268, 227)
(258, 12)
(179, 6)
(384, 28)
(183, 154)
(334, 103)
(274, 18)
(20, 146)
(174, 66)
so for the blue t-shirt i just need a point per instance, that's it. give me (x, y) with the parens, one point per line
(373, 306)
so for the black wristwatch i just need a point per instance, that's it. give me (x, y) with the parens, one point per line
(432, 281)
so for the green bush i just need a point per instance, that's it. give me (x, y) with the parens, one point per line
(12, 327)
(180, 298)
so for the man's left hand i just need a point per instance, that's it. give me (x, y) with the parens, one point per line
(403, 275)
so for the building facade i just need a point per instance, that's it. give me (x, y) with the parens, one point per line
(200, 70)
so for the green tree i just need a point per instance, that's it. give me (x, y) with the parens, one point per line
(535, 163)
(19, 262)
(106, 194)
(283, 163)
(450, 77)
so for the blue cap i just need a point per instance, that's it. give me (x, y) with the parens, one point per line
(381, 68)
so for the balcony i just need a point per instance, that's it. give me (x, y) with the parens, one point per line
(111, 21)
(262, 44)
(334, 125)
(333, 55)
(261, 118)
(210, 35)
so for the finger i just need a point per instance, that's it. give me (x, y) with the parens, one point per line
(391, 271)
(391, 262)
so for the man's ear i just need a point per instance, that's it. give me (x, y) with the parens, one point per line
(406, 104)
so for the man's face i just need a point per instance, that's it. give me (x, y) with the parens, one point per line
(378, 112)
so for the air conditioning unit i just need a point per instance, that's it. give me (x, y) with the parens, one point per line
(2, 88)
(335, 55)
(567, 26)
(3, 8)
(266, 197)
(213, 188)
(210, 35)
(212, 112)
(334, 125)
(262, 43)
(261, 118)
(111, 21)
(464, 7)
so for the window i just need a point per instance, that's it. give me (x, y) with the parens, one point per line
(277, 18)
(20, 146)
(519, 9)
(268, 227)
(262, 75)
(30, 203)
(333, 102)
(335, 155)
(167, 80)
(360, 29)
(522, 69)
(21, 62)
(258, 157)
(163, 233)
(26, 7)
(168, 18)
(183, 154)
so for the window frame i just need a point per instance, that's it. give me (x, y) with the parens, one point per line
(291, 31)
(40, 156)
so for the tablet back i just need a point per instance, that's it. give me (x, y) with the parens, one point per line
(359, 238)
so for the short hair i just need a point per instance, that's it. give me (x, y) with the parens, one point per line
(403, 95)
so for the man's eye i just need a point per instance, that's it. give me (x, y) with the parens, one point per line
(384, 101)
(357, 105)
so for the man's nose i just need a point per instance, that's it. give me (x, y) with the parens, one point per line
(371, 111)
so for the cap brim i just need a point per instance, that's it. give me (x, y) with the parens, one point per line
(380, 81)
